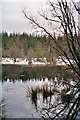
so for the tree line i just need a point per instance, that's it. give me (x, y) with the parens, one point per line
(28, 46)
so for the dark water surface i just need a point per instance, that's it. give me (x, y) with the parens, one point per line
(22, 88)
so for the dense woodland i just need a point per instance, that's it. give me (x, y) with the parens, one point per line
(30, 46)
(27, 46)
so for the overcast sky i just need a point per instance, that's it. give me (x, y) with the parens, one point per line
(12, 16)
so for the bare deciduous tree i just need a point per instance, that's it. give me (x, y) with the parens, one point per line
(61, 13)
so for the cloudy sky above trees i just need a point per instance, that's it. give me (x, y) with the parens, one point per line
(13, 19)
(12, 16)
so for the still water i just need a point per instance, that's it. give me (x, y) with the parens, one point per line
(17, 104)
(26, 90)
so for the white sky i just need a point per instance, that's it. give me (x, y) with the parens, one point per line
(12, 16)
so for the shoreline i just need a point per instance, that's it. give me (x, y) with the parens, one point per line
(35, 62)
(32, 65)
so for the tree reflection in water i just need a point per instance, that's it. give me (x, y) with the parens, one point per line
(56, 99)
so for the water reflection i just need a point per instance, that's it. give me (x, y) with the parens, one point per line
(51, 91)
(55, 98)
(25, 73)
(47, 89)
